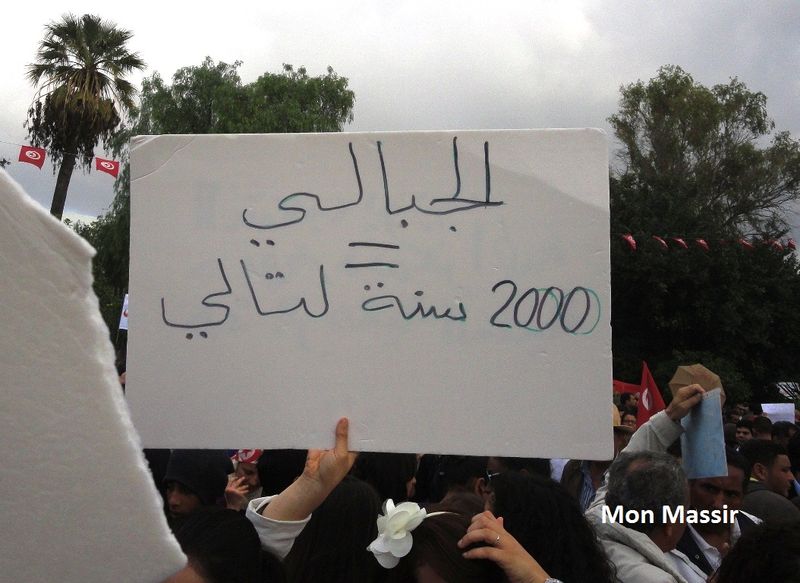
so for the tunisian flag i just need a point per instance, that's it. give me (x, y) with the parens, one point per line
(32, 155)
(108, 166)
(650, 401)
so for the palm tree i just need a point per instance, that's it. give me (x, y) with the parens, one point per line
(80, 68)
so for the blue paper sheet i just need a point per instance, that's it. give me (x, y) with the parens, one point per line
(703, 443)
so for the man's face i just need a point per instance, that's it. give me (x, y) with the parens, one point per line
(250, 474)
(714, 493)
(743, 434)
(181, 500)
(629, 420)
(779, 475)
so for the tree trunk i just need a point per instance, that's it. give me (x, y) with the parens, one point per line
(62, 184)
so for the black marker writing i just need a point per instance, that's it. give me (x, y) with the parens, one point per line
(206, 303)
(389, 301)
(300, 304)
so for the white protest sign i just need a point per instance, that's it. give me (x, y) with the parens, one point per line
(446, 291)
(779, 411)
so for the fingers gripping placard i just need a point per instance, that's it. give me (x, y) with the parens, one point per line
(456, 281)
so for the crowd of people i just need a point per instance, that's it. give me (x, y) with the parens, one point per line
(336, 516)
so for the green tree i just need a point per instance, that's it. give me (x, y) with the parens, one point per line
(693, 163)
(210, 98)
(80, 69)
(696, 163)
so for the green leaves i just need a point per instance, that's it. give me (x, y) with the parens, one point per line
(212, 99)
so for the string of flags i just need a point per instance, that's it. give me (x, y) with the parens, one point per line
(683, 243)
(36, 156)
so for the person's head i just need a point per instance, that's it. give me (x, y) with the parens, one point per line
(762, 428)
(195, 478)
(393, 475)
(629, 419)
(549, 524)
(782, 432)
(627, 400)
(715, 493)
(460, 473)
(729, 431)
(246, 461)
(278, 468)
(222, 547)
(744, 430)
(741, 409)
(333, 545)
(436, 558)
(770, 552)
(649, 481)
(769, 464)
(622, 432)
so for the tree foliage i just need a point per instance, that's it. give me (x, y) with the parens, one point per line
(211, 99)
(80, 69)
(695, 162)
(208, 99)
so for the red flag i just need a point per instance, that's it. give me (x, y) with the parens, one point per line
(702, 244)
(108, 166)
(791, 244)
(777, 245)
(32, 155)
(650, 401)
(680, 242)
(620, 387)
(630, 241)
(661, 241)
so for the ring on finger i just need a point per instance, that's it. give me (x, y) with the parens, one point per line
(497, 540)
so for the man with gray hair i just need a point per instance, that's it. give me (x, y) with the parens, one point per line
(633, 511)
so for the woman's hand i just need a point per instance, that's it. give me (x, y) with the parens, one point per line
(502, 548)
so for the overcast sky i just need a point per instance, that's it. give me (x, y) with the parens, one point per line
(432, 65)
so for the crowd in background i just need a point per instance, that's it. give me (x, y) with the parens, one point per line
(334, 516)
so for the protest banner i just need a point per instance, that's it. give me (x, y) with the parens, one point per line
(446, 291)
(779, 411)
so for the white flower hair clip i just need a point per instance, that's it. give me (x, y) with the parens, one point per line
(394, 539)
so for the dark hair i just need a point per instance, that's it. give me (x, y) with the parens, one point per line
(435, 545)
(456, 471)
(388, 473)
(646, 480)
(746, 422)
(783, 429)
(625, 397)
(761, 451)
(532, 465)
(548, 522)
(278, 468)
(737, 460)
(223, 547)
(203, 472)
(333, 545)
(762, 425)
(769, 552)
